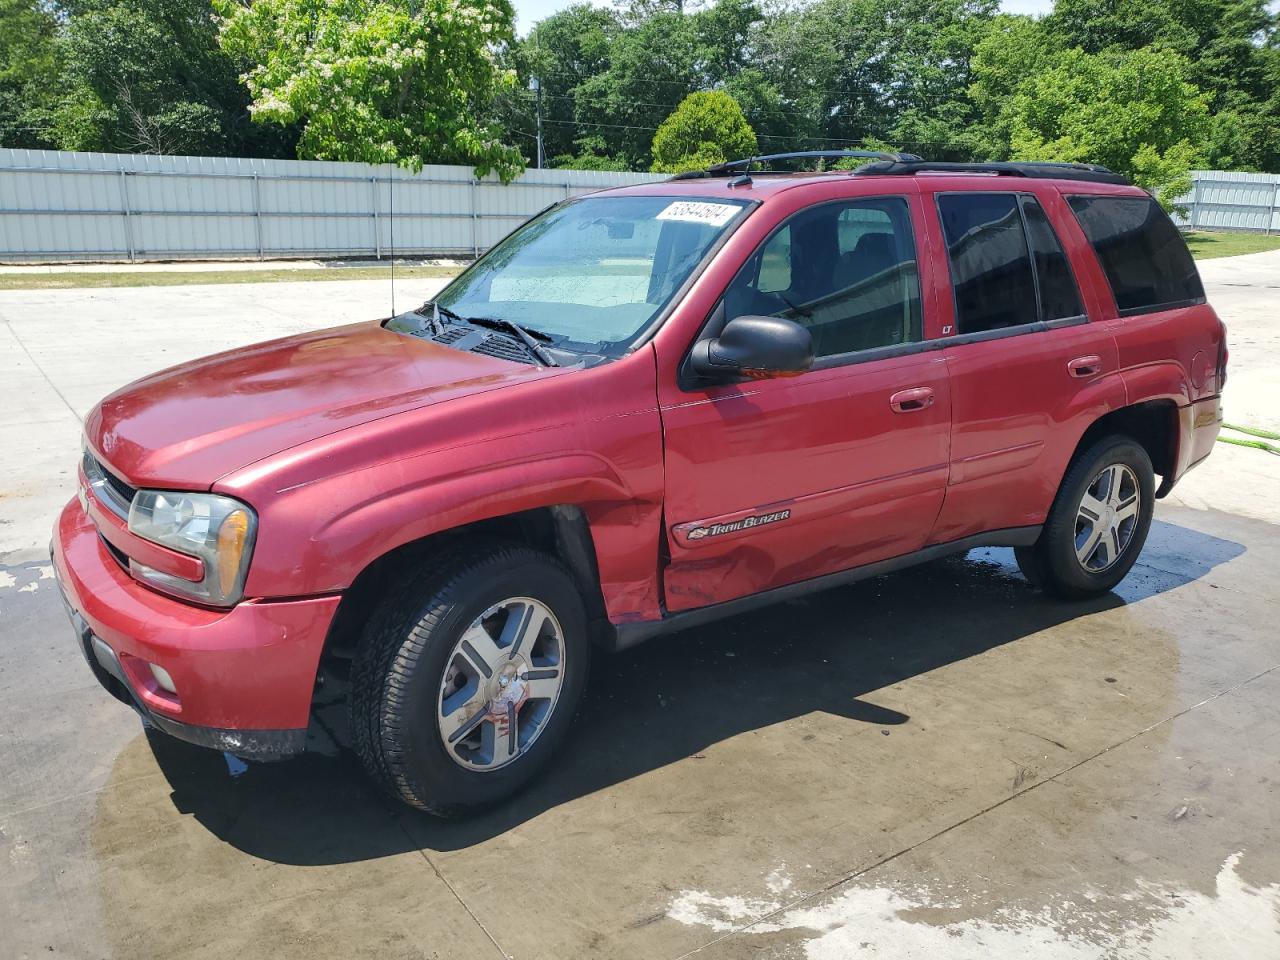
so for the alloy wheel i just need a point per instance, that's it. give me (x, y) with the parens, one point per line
(1107, 517)
(501, 684)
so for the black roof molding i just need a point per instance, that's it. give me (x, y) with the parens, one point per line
(743, 166)
(1091, 172)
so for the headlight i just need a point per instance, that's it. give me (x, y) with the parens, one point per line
(218, 530)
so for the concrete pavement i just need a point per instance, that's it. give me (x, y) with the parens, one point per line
(940, 763)
(64, 350)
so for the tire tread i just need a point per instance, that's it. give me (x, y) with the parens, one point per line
(393, 643)
(1051, 573)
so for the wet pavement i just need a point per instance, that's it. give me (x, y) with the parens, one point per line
(941, 763)
(941, 757)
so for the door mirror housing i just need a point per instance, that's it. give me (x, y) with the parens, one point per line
(757, 347)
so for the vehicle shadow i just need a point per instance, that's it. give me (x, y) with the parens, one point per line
(672, 698)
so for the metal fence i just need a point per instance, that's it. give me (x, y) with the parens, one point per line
(1243, 202)
(57, 206)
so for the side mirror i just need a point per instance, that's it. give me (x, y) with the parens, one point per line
(756, 347)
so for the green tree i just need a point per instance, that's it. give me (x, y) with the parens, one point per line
(729, 37)
(1097, 25)
(653, 65)
(28, 60)
(148, 76)
(1227, 44)
(707, 128)
(1017, 47)
(560, 53)
(403, 81)
(725, 34)
(1133, 111)
(896, 70)
(586, 161)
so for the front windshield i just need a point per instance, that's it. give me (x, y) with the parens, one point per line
(593, 273)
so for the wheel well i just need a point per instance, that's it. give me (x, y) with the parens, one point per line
(561, 531)
(1153, 424)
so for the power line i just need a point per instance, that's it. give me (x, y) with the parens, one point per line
(819, 138)
(828, 92)
(792, 113)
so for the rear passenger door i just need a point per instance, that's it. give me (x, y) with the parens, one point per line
(1028, 370)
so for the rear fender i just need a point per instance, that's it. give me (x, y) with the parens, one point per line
(1166, 380)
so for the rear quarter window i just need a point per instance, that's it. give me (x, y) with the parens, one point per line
(1142, 253)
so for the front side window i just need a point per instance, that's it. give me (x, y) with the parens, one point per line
(847, 271)
(1143, 255)
(991, 268)
(592, 274)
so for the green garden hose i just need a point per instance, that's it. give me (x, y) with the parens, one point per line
(1252, 432)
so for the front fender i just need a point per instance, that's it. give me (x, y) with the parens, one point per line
(591, 439)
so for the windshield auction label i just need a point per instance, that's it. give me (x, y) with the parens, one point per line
(700, 211)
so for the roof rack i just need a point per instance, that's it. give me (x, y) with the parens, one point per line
(1041, 170)
(743, 166)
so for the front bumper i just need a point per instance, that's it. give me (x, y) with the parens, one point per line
(244, 676)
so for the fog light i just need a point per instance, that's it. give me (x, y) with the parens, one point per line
(163, 679)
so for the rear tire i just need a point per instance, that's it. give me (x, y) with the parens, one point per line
(468, 676)
(1098, 522)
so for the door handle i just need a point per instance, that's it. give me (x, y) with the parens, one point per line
(908, 401)
(1085, 366)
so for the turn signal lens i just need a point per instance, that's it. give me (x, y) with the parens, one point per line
(232, 537)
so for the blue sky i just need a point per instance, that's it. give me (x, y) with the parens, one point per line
(529, 12)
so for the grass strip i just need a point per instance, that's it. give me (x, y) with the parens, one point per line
(180, 278)
(1210, 246)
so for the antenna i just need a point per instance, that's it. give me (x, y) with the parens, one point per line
(391, 196)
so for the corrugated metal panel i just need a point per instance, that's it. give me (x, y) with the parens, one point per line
(94, 206)
(1221, 200)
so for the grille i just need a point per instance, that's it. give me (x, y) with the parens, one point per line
(109, 488)
(121, 489)
(116, 554)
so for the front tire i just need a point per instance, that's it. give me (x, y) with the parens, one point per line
(1098, 522)
(468, 676)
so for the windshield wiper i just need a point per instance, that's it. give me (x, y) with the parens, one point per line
(432, 311)
(526, 336)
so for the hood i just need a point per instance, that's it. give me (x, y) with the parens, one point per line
(187, 426)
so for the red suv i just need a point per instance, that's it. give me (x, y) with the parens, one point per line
(644, 409)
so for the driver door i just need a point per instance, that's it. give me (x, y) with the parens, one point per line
(773, 482)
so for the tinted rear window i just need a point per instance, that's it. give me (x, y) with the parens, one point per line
(1142, 253)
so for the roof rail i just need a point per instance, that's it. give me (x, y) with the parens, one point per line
(1040, 170)
(744, 165)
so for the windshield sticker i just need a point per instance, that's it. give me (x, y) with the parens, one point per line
(698, 211)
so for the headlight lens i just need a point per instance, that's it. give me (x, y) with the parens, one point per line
(218, 530)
